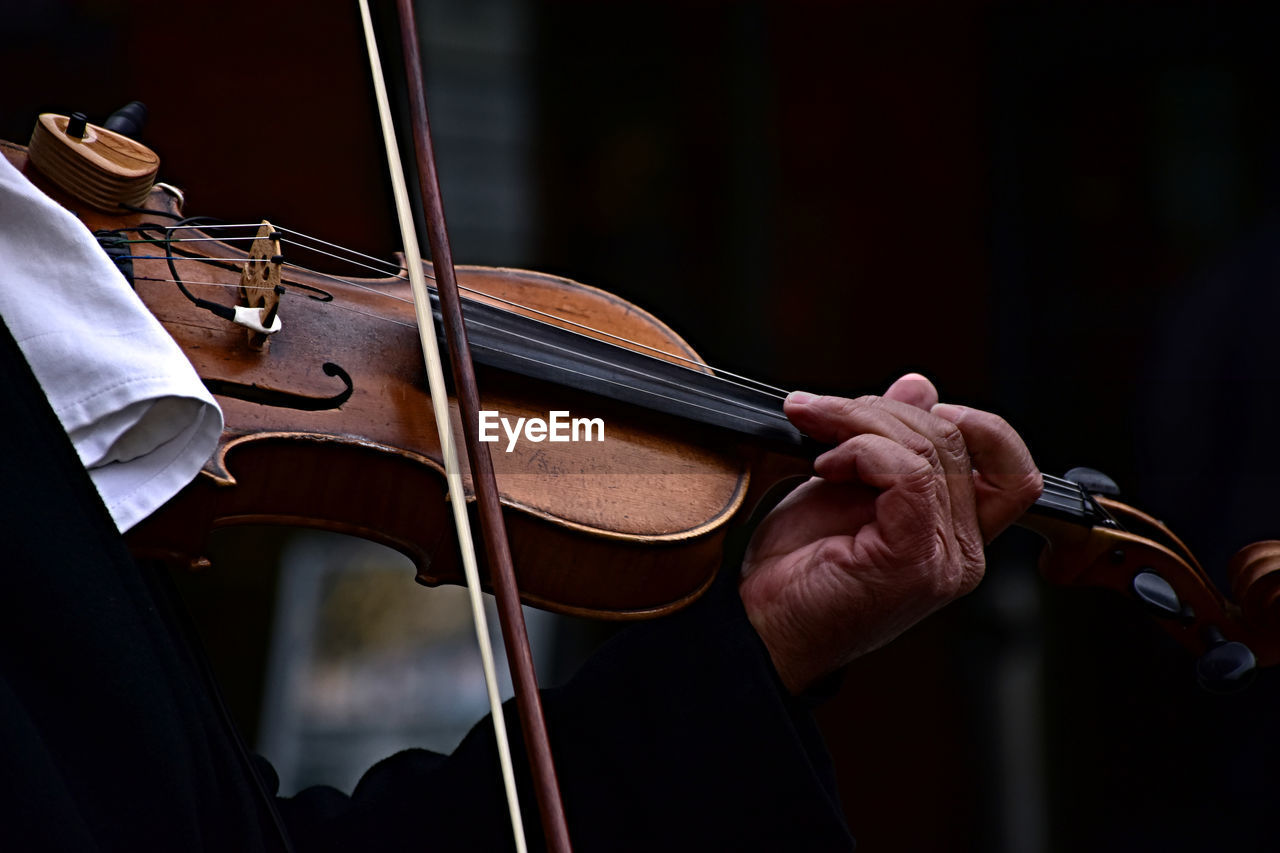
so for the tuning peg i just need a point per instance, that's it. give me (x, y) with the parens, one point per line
(1227, 667)
(128, 120)
(1156, 594)
(1093, 481)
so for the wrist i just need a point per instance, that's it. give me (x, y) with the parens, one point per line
(759, 604)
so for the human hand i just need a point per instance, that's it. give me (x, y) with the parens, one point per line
(891, 528)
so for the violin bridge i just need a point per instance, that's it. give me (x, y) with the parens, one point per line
(260, 286)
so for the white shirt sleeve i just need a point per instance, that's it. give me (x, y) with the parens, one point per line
(140, 418)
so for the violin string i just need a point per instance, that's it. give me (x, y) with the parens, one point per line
(1061, 494)
(224, 284)
(232, 286)
(1063, 487)
(780, 395)
(349, 251)
(369, 262)
(497, 330)
(1055, 488)
(690, 364)
(1079, 501)
(1068, 506)
(231, 239)
(387, 268)
(1058, 492)
(389, 272)
(647, 391)
(1071, 507)
(775, 415)
(713, 375)
(392, 271)
(232, 260)
(762, 387)
(1063, 483)
(651, 376)
(1076, 498)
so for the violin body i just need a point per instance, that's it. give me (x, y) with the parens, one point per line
(629, 525)
(643, 504)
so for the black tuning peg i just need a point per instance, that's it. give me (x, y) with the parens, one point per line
(1156, 594)
(1227, 667)
(128, 120)
(1094, 482)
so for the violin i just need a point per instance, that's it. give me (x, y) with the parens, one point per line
(327, 427)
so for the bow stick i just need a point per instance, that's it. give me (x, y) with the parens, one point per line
(497, 550)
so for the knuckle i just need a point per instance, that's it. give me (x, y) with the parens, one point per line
(922, 447)
(921, 478)
(971, 576)
(950, 441)
(884, 404)
(844, 409)
(830, 557)
(847, 405)
(974, 561)
(966, 566)
(880, 403)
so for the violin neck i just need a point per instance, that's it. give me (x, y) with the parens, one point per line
(693, 392)
(748, 410)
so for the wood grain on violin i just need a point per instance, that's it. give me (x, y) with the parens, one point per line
(103, 168)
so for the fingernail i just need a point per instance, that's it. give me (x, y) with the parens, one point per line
(948, 411)
(800, 398)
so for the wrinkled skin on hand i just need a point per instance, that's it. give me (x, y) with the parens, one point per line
(891, 529)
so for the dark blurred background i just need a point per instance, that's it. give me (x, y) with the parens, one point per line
(1059, 211)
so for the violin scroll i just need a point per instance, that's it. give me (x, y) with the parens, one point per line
(1255, 582)
(1109, 544)
(1254, 573)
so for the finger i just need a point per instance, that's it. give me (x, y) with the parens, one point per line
(908, 508)
(818, 509)
(914, 390)
(1006, 480)
(937, 441)
(833, 419)
(836, 419)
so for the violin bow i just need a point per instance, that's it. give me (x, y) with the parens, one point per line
(497, 548)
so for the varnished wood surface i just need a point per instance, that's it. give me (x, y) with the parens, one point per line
(102, 168)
